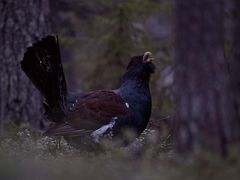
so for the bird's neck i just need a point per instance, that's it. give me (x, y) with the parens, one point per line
(135, 91)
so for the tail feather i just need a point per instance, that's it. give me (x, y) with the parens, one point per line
(64, 129)
(42, 64)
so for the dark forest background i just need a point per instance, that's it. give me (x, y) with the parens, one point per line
(195, 89)
(97, 39)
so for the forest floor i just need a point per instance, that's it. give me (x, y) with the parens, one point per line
(26, 155)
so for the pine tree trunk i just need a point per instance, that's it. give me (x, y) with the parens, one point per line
(21, 24)
(204, 106)
(235, 63)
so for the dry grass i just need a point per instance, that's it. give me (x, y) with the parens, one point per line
(29, 156)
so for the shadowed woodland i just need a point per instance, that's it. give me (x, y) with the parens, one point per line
(194, 129)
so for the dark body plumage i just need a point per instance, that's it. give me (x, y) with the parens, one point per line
(96, 113)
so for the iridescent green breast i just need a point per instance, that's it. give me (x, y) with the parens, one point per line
(144, 110)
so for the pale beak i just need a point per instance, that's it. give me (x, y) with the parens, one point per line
(148, 57)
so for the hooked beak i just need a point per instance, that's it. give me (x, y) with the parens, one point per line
(148, 57)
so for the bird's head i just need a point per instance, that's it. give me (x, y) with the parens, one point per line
(142, 63)
(135, 81)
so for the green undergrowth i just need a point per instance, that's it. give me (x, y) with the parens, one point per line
(27, 155)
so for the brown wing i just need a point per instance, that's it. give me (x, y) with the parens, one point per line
(96, 109)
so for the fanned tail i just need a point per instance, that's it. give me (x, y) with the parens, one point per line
(42, 64)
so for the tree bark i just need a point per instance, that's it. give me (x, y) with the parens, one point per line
(205, 116)
(235, 62)
(21, 24)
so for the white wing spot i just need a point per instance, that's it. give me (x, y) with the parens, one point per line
(127, 105)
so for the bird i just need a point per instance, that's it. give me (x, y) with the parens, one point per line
(98, 113)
